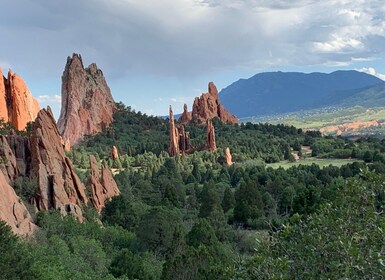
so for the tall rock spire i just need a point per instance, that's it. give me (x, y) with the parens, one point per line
(229, 158)
(87, 103)
(210, 136)
(186, 115)
(174, 135)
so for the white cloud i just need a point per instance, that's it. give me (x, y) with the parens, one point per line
(373, 72)
(188, 38)
(338, 45)
(49, 99)
(183, 99)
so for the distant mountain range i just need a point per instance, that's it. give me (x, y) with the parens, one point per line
(279, 92)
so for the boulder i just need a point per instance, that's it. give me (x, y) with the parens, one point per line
(87, 103)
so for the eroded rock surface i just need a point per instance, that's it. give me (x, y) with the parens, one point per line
(174, 136)
(13, 210)
(114, 153)
(210, 136)
(17, 104)
(59, 187)
(103, 187)
(229, 158)
(87, 103)
(186, 115)
(208, 106)
(179, 137)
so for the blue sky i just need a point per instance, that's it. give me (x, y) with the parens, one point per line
(160, 52)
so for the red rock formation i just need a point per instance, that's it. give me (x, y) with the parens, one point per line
(3, 98)
(7, 160)
(16, 102)
(210, 136)
(229, 158)
(20, 147)
(87, 103)
(184, 140)
(186, 116)
(13, 211)
(207, 106)
(103, 187)
(347, 128)
(58, 185)
(174, 136)
(114, 153)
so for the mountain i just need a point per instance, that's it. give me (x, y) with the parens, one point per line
(280, 92)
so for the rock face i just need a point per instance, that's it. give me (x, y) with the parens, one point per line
(16, 102)
(87, 103)
(103, 187)
(114, 153)
(207, 106)
(15, 156)
(184, 139)
(8, 165)
(179, 138)
(13, 211)
(229, 158)
(58, 185)
(173, 149)
(186, 116)
(210, 136)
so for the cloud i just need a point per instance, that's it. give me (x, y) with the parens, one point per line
(184, 39)
(182, 99)
(49, 99)
(373, 72)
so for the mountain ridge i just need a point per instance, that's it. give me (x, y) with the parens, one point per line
(280, 92)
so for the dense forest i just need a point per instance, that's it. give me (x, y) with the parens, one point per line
(194, 217)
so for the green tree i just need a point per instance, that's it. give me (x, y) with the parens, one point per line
(249, 204)
(228, 201)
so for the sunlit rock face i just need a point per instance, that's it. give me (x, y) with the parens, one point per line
(87, 103)
(59, 187)
(208, 106)
(17, 104)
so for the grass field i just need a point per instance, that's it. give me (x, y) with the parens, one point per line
(310, 161)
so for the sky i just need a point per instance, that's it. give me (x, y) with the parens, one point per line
(156, 53)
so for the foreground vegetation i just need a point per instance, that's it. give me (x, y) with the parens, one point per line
(194, 217)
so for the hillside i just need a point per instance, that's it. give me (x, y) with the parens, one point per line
(279, 92)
